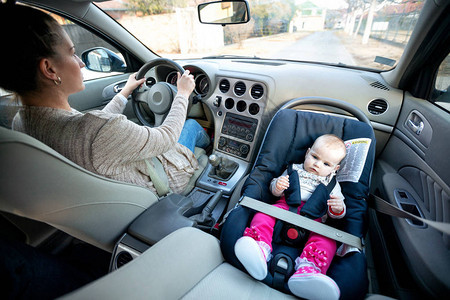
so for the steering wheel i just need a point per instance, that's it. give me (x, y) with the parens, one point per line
(158, 97)
(350, 108)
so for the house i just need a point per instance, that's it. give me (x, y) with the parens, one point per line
(309, 17)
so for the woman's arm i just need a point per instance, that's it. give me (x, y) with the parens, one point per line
(120, 140)
(119, 101)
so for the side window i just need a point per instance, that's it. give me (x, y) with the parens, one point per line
(84, 40)
(441, 94)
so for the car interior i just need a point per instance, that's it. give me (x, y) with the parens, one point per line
(85, 236)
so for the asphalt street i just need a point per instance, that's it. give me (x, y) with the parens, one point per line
(319, 46)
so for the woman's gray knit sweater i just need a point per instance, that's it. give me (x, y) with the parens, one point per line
(107, 143)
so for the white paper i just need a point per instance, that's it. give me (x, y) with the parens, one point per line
(353, 163)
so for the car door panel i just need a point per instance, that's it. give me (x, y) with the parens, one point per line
(94, 96)
(413, 172)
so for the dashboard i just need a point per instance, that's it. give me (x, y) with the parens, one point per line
(241, 96)
(169, 75)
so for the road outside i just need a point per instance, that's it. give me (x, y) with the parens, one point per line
(333, 46)
(322, 46)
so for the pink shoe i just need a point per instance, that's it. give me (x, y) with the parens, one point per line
(309, 283)
(253, 255)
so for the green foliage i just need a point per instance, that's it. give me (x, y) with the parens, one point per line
(272, 17)
(154, 7)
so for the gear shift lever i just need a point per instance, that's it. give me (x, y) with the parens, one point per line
(214, 160)
(223, 168)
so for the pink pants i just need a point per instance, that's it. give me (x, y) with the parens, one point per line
(318, 249)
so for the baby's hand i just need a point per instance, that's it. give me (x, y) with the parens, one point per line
(336, 204)
(282, 183)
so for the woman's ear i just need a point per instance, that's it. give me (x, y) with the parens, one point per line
(47, 70)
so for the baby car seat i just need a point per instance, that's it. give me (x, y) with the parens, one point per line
(288, 137)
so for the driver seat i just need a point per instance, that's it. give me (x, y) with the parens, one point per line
(40, 184)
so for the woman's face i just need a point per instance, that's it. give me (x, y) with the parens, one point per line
(68, 66)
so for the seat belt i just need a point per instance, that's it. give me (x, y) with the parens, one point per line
(375, 202)
(385, 207)
(158, 176)
(303, 222)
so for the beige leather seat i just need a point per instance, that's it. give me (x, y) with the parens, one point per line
(40, 184)
(187, 264)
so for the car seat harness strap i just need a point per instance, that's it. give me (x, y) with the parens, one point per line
(282, 267)
(314, 208)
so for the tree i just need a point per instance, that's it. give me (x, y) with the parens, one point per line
(369, 22)
(271, 18)
(154, 7)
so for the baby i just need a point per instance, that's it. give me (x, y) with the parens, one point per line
(254, 249)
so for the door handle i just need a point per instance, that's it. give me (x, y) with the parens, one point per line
(117, 89)
(416, 128)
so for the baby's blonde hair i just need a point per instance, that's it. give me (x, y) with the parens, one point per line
(331, 141)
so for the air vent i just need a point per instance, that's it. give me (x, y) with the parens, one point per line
(240, 88)
(224, 85)
(257, 91)
(123, 258)
(377, 106)
(379, 85)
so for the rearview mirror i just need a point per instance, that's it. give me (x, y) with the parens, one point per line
(103, 60)
(224, 12)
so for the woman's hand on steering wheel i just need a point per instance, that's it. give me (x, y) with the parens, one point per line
(185, 84)
(131, 85)
(158, 97)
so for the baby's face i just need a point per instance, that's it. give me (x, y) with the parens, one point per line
(322, 161)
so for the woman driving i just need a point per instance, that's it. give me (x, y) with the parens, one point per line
(43, 70)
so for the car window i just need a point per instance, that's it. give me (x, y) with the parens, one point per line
(367, 34)
(83, 40)
(441, 94)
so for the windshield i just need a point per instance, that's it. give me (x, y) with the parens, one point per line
(363, 33)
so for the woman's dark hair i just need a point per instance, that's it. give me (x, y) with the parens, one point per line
(28, 35)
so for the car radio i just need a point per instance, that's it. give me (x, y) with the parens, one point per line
(240, 127)
(233, 147)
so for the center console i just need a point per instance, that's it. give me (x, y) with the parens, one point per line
(237, 106)
(201, 209)
(242, 129)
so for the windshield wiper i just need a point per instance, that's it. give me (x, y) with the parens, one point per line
(230, 56)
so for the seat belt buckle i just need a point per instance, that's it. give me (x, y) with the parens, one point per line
(293, 235)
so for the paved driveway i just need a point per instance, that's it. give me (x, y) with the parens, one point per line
(319, 46)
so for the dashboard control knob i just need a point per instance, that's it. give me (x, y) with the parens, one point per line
(217, 101)
(222, 142)
(244, 149)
